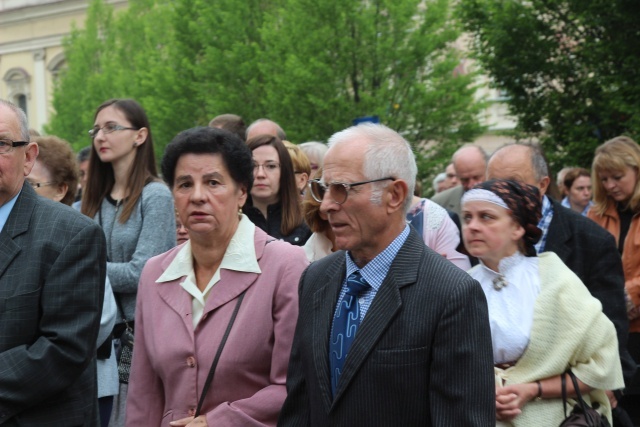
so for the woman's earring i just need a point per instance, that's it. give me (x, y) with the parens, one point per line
(240, 212)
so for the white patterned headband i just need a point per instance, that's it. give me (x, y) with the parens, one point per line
(482, 195)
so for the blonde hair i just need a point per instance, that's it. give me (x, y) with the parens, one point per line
(614, 155)
(311, 212)
(301, 163)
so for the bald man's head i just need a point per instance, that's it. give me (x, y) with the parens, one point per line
(470, 163)
(522, 163)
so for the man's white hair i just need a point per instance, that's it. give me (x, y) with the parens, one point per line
(388, 155)
(22, 118)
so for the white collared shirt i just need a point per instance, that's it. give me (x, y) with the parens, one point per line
(239, 256)
(510, 308)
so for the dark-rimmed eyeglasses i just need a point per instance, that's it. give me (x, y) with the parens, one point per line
(338, 191)
(108, 128)
(7, 145)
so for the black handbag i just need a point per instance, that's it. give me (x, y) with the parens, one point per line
(125, 354)
(582, 414)
(124, 350)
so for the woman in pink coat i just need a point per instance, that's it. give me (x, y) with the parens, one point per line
(187, 298)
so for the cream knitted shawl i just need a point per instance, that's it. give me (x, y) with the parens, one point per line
(569, 330)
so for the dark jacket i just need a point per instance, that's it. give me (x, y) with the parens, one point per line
(422, 355)
(272, 223)
(52, 274)
(591, 253)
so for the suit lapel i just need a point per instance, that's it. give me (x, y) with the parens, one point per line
(17, 224)
(385, 306)
(324, 303)
(178, 300)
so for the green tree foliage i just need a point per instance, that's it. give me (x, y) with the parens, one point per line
(330, 62)
(311, 66)
(570, 68)
(85, 82)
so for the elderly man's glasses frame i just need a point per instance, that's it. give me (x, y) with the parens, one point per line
(7, 145)
(338, 191)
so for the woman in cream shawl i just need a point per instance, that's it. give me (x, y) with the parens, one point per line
(543, 319)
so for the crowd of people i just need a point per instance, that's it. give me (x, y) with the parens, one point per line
(256, 282)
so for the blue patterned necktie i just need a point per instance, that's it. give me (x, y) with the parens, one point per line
(345, 325)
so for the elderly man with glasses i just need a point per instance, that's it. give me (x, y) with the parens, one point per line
(389, 332)
(52, 274)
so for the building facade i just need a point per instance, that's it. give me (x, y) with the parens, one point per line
(31, 54)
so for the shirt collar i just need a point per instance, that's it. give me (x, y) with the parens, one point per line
(547, 209)
(376, 270)
(5, 210)
(239, 256)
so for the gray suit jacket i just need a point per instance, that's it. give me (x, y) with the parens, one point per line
(422, 355)
(52, 273)
(450, 199)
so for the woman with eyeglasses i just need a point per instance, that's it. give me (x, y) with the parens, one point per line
(274, 202)
(134, 208)
(322, 242)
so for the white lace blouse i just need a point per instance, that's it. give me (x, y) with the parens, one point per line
(511, 295)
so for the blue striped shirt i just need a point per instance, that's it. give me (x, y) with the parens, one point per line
(5, 210)
(374, 272)
(545, 221)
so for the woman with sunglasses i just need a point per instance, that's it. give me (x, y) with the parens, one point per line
(274, 202)
(134, 208)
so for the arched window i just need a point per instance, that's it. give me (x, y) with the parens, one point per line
(56, 64)
(18, 87)
(21, 101)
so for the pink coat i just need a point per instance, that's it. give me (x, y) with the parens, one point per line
(171, 360)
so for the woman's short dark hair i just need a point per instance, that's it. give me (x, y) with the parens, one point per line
(204, 140)
(58, 158)
(572, 175)
(288, 193)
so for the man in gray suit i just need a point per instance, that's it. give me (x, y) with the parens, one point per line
(389, 332)
(52, 273)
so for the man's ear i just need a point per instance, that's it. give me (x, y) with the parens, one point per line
(397, 191)
(30, 156)
(544, 185)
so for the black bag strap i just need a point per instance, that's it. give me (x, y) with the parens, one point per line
(588, 416)
(563, 376)
(209, 380)
(583, 405)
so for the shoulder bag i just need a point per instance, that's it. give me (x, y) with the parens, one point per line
(582, 414)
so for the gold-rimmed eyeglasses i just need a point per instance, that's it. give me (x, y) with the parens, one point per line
(338, 191)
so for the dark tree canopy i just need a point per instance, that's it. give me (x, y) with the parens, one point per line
(569, 67)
